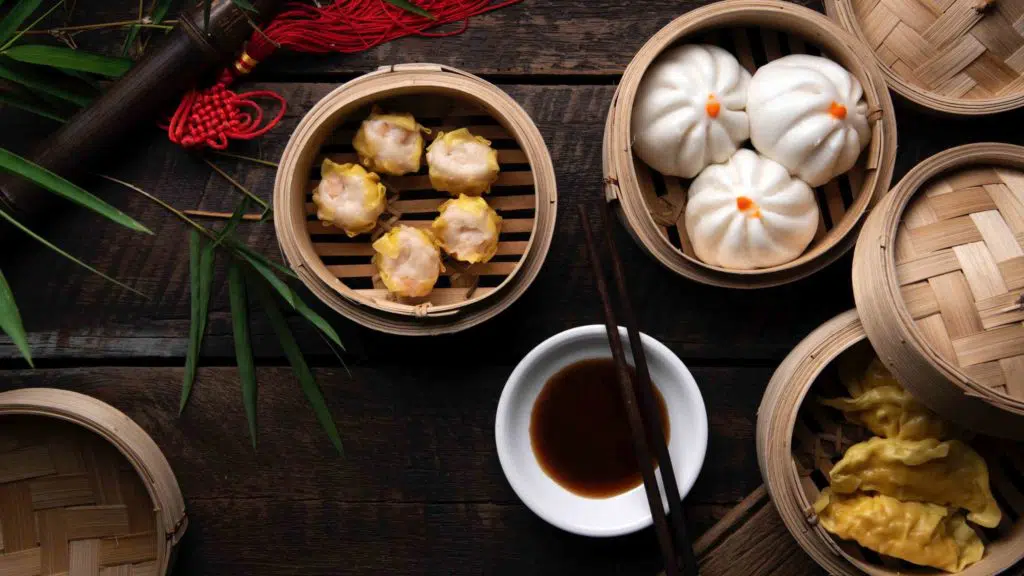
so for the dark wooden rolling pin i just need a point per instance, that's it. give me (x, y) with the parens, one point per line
(132, 104)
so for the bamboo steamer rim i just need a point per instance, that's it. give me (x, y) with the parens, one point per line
(621, 181)
(321, 121)
(892, 330)
(777, 416)
(843, 12)
(128, 438)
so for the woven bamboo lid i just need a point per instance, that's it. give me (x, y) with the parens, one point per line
(938, 276)
(952, 56)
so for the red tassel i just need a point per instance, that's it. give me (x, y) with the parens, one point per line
(214, 116)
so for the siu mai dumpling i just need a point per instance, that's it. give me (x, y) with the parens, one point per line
(390, 143)
(947, 473)
(349, 197)
(468, 229)
(408, 261)
(749, 213)
(925, 534)
(461, 163)
(808, 114)
(689, 110)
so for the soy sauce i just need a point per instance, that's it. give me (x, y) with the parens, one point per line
(580, 434)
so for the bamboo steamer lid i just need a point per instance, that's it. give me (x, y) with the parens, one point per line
(83, 489)
(756, 31)
(339, 271)
(952, 56)
(938, 278)
(799, 440)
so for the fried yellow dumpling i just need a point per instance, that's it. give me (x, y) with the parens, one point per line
(349, 197)
(461, 163)
(947, 473)
(925, 534)
(390, 143)
(468, 229)
(882, 405)
(408, 261)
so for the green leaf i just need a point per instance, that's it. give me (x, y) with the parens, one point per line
(129, 40)
(201, 282)
(243, 345)
(298, 362)
(206, 14)
(236, 217)
(44, 85)
(160, 9)
(16, 101)
(244, 5)
(84, 77)
(62, 57)
(10, 320)
(410, 7)
(246, 251)
(53, 247)
(16, 164)
(16, 17)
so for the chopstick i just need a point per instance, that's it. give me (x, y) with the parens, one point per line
(633, 411)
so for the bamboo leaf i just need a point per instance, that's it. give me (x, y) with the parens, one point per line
(16, 17)
(243, 345)
(410, 7)
(245, 250)
(244, 5)
(53, 247)
(61, 57)
(129, 40)
(10, 320)
(206, 14)
(236, 217)
(160, 9)
(200, 284)
(84, 77)
(298, 362)
(16, 164)
(17, 102)
(43, 85)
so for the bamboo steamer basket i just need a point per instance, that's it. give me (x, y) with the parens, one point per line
(938, 276)
(756, 31)
(799, 440)
(83, 489)
(338, 269)
(952, 56)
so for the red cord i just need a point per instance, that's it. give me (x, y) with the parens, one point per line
(216, 115)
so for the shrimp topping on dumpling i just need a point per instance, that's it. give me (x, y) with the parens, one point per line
(461, 163)
(468, 229)
(349, 197)
(408, 261)
(390, 143)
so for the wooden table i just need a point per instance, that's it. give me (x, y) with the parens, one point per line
(420, 489)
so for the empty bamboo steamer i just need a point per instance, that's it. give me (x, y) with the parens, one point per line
(799, 440)
(83, 490)
(756, 31)
(938, 277)
(951, 56)
(338, 269)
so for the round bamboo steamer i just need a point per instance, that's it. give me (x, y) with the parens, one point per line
(799, 440)
(938, 276)
(952, 56)
(83, 489)
(338, 269)
(756, 31)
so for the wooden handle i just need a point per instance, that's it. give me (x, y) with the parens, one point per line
(133, 102)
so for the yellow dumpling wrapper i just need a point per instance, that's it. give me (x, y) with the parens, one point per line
(947, 473)
(349, 197)
(883, 406)
(468, 229)
(390, 143)
(461, 163)
(408, 261)
(925, 534)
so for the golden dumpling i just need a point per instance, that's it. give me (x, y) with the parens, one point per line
(925, 534)
(461, 163)
(390, 143)
(468, 229)
(349, 197)
(408, 261)
(947, 473)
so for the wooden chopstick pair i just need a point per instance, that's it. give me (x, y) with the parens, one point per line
(675, 544)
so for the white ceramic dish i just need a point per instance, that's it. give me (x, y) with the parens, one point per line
(602, 517)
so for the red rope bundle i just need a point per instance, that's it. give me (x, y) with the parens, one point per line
(216, 115)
